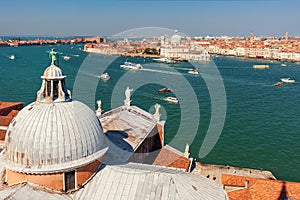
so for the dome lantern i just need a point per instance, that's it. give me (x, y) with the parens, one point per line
(53, 87)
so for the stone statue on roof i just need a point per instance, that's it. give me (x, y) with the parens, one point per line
(157, 114)
(127, 95)
(53, 56)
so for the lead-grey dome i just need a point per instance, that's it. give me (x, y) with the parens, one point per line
(54, 133)
(47, 137)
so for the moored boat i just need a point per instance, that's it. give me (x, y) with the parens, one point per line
(132, 66)
(287, 80)
(164, 90)
(172, 99)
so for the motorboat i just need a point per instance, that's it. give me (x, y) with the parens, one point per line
(164, 90)
(12, 57)
(260, 66)
(67, 57)
(105, 76)
(172, 99)
(287, 80)
(131, 66)
(283, 65)
(164, 60)
(278, 84)
(194, 71)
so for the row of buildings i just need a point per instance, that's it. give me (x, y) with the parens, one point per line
(15, 42)
(282, 49)
(198, 49)
(174, 47)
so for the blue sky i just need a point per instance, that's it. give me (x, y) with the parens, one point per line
(198, 17)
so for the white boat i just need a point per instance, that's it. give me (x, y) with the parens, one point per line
(172, 99)
(105, 76)
(67, 57)
(131, 66)
(283, 65)
(12, 57)
(260, 66)
(287, 80)
(194, 71)
(164, 60)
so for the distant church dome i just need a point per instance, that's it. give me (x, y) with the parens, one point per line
(54, 133)
(176, 39)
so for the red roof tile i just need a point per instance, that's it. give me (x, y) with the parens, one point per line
(169, 157)
(260, 188)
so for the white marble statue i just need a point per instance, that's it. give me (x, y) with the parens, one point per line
(127, 95)
(157, 114)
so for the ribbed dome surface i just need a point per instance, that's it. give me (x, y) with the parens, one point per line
(54, 134)
(52, 72)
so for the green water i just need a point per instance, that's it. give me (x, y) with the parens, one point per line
(261, 129)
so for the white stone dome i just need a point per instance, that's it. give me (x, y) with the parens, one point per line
(176, 38)
(53, 72)
(52, 137)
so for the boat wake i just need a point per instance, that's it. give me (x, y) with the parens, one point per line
(161, 71)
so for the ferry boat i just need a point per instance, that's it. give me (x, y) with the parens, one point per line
(131, 66)
(105, 76)
(287, 80)
(260, 66)
(164, 90)
(172, 99)
(194, 71)
(164, 60)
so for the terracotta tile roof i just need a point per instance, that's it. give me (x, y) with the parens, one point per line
(5, 120)
(170, 157)
(257, 188)
(13, 113)
(6, 107)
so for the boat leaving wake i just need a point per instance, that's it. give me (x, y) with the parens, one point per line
(161, 71)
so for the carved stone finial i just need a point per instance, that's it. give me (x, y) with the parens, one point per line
(157, 114)
(186, 151)
(127, 95)
(99, 110)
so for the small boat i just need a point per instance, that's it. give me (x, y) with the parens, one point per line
(12, 57)
(131, 66)
(194, 71)
(172, 99)
(287, 80)
(260, 66)
(164, 60)
(278, 84)
(67, 57)
(164, 90)
(105, 76)
(283, 65)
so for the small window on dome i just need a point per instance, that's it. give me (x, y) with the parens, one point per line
(69, 181)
